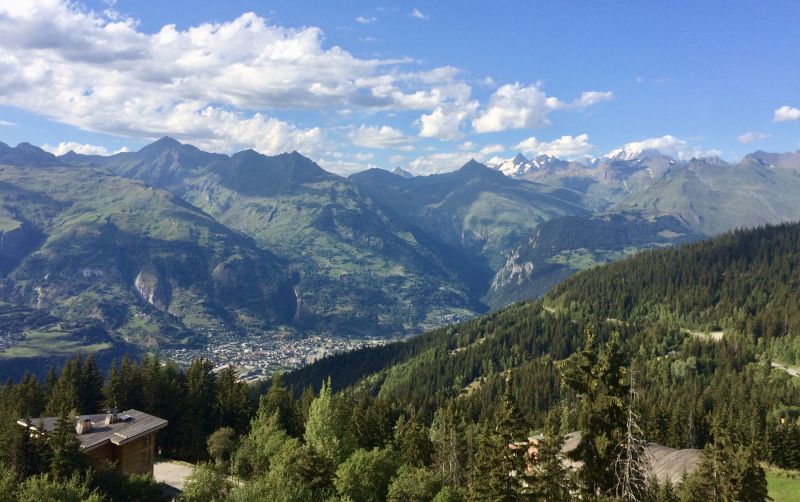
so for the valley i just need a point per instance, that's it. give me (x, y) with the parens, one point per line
(175, 250)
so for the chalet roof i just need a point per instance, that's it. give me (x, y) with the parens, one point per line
(138, 424)
(667, 463)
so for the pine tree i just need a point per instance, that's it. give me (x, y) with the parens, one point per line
(66, 458)
(90, 386)
(726, 472)
(200, 413)
(412, 442)
(500, 470)
(279, 400)
(599, 379)
(64, 393)
(29, 397)
(232, 402)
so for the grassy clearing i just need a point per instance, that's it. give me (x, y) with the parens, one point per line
(51, 343)
(784, 486)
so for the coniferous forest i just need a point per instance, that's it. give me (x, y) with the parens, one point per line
(689, 347)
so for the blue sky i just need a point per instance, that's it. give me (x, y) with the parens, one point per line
(422, 85)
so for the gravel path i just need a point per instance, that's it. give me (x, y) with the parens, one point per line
(172, 474)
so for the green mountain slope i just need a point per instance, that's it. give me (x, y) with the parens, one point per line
(144, 264)
(165, 163)
(475, 208)
(560, 247)
(358, 268)
(716, 198)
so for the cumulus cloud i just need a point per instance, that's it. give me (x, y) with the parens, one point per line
(445, 122)
(750, 137)
(566, 147)
(82, 148)
(214, 84)
(513, 106)
(786, 114)
(380, 137)
(366, 20)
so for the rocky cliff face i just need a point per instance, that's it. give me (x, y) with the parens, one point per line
(152, 288)
(513, 272)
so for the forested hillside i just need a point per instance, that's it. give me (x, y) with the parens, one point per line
(699, 327)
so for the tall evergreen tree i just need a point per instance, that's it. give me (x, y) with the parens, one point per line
(599, 379)
(500, 471)
(412, 442)
(279, 400)
(199, 418)
(90, 386)
(232, 401)
(65, 456)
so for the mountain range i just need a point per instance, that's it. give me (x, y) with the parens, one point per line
(170, 245)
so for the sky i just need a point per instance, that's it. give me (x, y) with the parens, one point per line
(422, 85)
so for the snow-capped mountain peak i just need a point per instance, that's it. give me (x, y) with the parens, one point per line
(520, 165)
(629, 152)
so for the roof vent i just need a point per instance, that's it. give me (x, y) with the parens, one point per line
(111, 418)
(83, 426)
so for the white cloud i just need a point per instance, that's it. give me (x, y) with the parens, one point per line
(366, 20)
(442, 162)
(566, 147)
(345, 165)
(786, 114)
(515, 107)
(490, 149)
(589, 98)
(445, 122)
(667, 145)
(380, 137)
(213, 84)
(439, 162)
(82, 148)
(417, 14)
(750, 137)
(6, 123)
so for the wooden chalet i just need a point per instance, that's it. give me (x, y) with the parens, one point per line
(126, 439)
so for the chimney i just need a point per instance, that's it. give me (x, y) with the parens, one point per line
(83, 426)
(111, 418)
